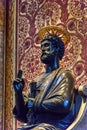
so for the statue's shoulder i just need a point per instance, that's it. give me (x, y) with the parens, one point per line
(65, 73)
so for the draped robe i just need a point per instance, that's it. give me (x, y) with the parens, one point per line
(54, 100)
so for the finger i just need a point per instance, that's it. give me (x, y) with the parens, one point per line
(17, 87)
(19, 79)
(32, 99)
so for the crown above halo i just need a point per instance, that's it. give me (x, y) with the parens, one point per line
(63, 34)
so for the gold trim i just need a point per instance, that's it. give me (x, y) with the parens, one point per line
(8, 68)
(62, 33)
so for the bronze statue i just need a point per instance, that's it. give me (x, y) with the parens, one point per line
(50, 103)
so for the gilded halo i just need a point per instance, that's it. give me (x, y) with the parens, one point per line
(62, 33)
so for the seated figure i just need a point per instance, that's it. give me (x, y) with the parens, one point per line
(49, 105)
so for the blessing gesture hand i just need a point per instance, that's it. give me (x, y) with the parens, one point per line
(18, 83)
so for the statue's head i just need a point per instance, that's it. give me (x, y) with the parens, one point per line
(52, 46)
(52, 43)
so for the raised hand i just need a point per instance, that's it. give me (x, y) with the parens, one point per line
(18, 83)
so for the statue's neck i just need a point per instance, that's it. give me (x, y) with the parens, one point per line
(52, 66)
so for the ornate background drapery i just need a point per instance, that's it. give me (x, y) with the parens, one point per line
(25, 18)
(69, 14)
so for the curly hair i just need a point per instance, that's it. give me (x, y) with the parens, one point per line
(57, 42)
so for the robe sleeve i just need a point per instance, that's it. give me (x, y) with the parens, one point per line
(22, 114)
(59, 99)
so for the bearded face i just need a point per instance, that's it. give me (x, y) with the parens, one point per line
(48, 52)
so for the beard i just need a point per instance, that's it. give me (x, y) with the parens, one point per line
(47, 57)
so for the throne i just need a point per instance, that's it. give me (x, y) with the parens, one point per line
(80, 106)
